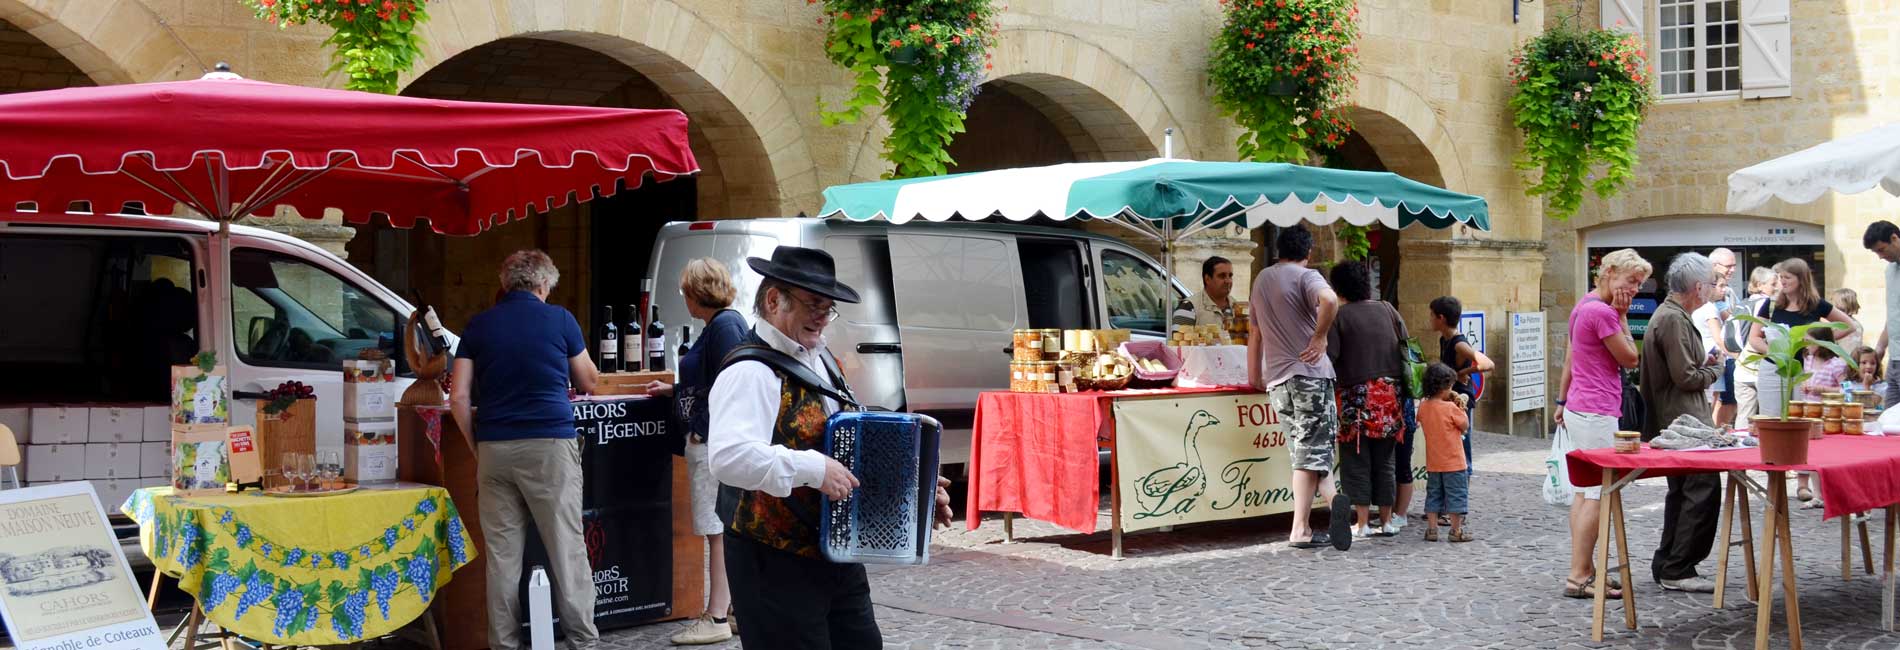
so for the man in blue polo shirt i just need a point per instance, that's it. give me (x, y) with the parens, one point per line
(518, 359)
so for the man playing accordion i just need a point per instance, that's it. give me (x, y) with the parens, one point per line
(765, 435)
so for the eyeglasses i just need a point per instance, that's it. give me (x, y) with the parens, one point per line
(811, 306)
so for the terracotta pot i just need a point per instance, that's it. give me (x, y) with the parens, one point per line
(1784, 442)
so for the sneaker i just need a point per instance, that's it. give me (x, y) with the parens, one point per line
(703, 631)
(1391, 528)
(1697, 584)
(1361, 532)
(1811, 504)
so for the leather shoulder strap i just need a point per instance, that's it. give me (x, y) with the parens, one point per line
(784, 363)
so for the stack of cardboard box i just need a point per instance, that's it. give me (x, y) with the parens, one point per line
(119, 447)
(369, 420)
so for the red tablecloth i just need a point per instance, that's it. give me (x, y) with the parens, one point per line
(1035, 453)
(1858, 473)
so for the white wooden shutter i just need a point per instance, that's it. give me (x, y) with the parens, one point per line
(1767, 59)
(1626, 15)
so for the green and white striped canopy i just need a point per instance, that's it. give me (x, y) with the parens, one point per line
(1172, 196)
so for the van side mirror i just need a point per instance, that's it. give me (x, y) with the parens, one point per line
(260, 325)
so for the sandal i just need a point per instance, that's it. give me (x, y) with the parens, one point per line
(1431, 534)
(1804, 494)
(1459, 536)
(1587, 589)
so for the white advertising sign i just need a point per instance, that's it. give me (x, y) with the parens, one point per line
(1205, 458)
(64, 583)
(1529, 382)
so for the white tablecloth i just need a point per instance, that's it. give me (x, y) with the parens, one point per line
(1212, 366)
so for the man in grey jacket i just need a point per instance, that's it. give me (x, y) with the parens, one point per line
(1676, 370)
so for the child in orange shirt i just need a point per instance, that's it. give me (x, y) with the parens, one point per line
(1447, 488)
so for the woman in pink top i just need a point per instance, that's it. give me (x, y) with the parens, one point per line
(1592, 390)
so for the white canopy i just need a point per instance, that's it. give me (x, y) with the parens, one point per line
(1849, 165)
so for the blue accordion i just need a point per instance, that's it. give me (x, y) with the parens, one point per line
(887, 520)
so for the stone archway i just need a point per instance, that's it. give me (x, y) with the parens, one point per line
(749, 121)
(1100, 105)
(110, 42)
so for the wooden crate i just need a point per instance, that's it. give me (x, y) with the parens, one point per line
(630, 383)
(278, 434)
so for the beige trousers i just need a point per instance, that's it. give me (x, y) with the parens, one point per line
(540, 478)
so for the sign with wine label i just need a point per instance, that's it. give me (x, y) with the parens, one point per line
(65, 583)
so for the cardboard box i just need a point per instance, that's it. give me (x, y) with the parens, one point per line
(112, 460)
(367, 371)
(20, 420)
(158, 424)
(369, 451)
(114, 492)
(115, 424)
(246, 463)
(201, 459)
(199, 397)
(55, 463)
(60, 425)
(155, 460)
(369, 402)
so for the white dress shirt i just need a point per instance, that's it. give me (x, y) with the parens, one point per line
(744, 407)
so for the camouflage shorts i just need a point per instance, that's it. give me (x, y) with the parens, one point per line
(1306, 408)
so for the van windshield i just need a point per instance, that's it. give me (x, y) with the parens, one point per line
(1139, 297)
(289, 313)
(108, 317)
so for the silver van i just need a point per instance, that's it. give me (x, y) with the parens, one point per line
(939, 300)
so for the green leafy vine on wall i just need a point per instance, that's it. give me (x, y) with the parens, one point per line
(1283, 70)
(921, 61)
(374, 41)
(1580, 99)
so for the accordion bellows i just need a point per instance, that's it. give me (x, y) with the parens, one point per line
(887, 520)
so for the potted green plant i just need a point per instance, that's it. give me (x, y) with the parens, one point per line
(1784, 440)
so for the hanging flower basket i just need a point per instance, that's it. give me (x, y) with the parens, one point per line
(1580, 97)
(1282, 69)
(374, 41)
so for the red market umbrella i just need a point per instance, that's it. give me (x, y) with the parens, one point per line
(226, 147)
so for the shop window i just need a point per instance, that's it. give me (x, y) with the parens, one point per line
(1138, 296)
(288, 313)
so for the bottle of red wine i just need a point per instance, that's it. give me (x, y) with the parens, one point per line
(631, 340)
(656, 342)
(686, 340)
(608, 355)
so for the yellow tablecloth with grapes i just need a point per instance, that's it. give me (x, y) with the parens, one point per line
(305, 571)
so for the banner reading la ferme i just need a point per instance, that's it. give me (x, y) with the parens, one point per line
(1202, 458)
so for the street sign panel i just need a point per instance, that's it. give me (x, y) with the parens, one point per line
(1529, 383)
(1471, 325)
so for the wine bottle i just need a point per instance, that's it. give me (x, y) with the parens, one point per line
(608, 356)
(656, 342)
(686, 340)
(438, 335)
(631, 340)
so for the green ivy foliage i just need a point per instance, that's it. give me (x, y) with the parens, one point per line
(1580, 99)
(374, 41)
(921, 60)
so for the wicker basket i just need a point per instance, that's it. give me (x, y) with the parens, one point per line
(294, 430)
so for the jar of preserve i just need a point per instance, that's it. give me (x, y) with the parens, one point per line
(1832, 426)
(1831, 410)
(1629, 442)
(1853, 411)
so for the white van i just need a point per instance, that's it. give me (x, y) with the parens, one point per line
(100, 306)
(939, 300)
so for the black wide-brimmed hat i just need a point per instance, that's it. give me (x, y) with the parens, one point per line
(806, 268)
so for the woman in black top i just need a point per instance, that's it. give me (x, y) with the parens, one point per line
(1797, 302)
(1364, 347)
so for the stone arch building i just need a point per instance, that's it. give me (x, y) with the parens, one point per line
(1104, 79)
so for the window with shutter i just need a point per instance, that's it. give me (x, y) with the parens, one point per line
(1698, 48)
(1767, 60)
(1626, 15)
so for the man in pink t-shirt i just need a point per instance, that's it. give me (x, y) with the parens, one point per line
(1292, 310)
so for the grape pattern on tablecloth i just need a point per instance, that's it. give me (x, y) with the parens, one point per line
(309, 595)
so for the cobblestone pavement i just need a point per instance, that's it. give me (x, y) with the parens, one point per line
(1237, 585)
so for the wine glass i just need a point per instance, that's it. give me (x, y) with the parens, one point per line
(330, 467)
(287, 469)
(307, 469)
